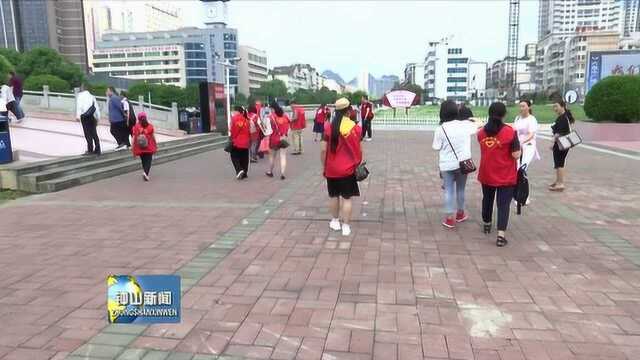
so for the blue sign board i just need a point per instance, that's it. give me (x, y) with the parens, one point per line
(143, 299)
(606, 63)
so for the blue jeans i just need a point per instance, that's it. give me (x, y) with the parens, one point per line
(454, 184)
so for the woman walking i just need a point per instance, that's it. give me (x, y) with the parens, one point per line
(255, 133)
(340, 154)
(561, 127)
(240, 142)
(144, 143)
(277, 141)
(453, 141)
(527, 126)
(499, 150)
(322, 115)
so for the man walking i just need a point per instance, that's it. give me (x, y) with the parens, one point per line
(298, 123)
(16, 84)
(88, 113)
(366, 114)
(117, 119)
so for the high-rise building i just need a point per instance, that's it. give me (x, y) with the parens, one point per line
(55, 24)
(561, 17)
(451, 74)
(177, 57)
(253, 69)
(631, 13)
(117, 16)
(298, 76)
(414, 74)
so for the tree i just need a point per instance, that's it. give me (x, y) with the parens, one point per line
(98, 89)
(12, 56)
(5, 67)
(240, 99)
(614, 98)
(356, 97)
(270, 90)
(43, 61)
(56, 84)
(192, 96)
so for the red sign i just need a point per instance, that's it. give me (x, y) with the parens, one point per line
(216, 93)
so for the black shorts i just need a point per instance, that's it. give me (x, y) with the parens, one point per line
(345, 187)
(559, 157)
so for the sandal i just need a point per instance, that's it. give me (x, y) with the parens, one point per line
(556, 188)
(486, 228)
(501, 241)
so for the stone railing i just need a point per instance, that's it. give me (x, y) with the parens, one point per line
(162, 117)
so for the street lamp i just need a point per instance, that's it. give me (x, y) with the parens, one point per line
(228, 65)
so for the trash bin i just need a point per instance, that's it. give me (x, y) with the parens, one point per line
(6, 152)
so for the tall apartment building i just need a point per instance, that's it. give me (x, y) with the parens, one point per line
(414, 74)
(631, 17)
(298, 76)
(117, 16)
(451, 74)
(55, 24)
(253, 69)
(178, 57)
(498, 79)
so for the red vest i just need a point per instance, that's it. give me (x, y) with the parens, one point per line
(138, 130)
(366, 110)
(240, 135)
(348, 154)
(300, 122)
(497, 166)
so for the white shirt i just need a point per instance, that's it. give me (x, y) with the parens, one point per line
(525, 126)
(84, 102)
(459, 133)
(125, 104)
(6, 96)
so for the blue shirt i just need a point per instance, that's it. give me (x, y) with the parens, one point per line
(116, 113)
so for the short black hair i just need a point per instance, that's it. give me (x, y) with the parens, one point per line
(464, 113)
(497, 110)
(448, 111)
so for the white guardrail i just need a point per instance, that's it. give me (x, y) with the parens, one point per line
(162, 116)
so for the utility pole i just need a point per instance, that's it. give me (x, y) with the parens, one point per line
(512, 48)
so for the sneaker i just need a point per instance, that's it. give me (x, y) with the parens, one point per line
(240, 175)
(346, 230)
(282, 177)
(145, 177)
(334, 224)
(461, 216)
(269, 174)
(367, 139)
(449, 223)
(121, 146)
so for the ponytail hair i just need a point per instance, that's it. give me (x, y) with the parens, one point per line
(241, 110)
(497, 112)
(335, 127)
(564, 105)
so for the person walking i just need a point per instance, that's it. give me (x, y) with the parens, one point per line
(298, 124)
(453, 141)
(322, 115)
(264, 123)
(15, 82)
(340, 154)
(9, 102)
(240, 142)
(277, 141)
(366, 114)
(129, 113)
(88, 114)
(561, 127)
(117, 119)
(527, 126)
(254, 132)
(499, 151)
(144, 143)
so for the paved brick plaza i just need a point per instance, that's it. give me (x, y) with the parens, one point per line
(265, 279)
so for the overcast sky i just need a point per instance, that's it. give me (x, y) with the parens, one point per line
(378, 36)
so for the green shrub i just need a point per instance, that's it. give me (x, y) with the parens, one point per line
(35, 83)
(97, 89)
(5, 67)
(614, 98)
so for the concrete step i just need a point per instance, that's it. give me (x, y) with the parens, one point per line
(29, 182)
(61, 162)
(123, 167)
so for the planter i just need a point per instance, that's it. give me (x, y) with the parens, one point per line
(592, 131)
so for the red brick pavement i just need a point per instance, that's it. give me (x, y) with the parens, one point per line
(401, 287)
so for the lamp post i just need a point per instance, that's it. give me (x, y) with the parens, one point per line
(228, 65)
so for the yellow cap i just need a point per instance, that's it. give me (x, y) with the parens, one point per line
(342, 103)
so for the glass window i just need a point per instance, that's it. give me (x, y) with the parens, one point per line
(456, 88)
(457, 61)
(100, 65)
(454, 70)
(229, 46)
(457, 79)
(196, 64)
(155, 62)
(100, 56)
(117, 55)
(134, 55)
(230, 54)
(195, 55)
(196, 72)
(153, 53)
(135, 63)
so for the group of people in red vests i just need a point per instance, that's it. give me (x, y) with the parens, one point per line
(252, 135)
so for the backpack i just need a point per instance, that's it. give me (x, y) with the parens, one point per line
(521, 191)
(132, 116)
(142, 140)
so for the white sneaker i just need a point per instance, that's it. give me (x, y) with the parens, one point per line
(367, 139)
(346, 230)
(240, 175)
(334, 224)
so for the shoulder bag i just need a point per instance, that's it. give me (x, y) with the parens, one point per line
(466, 166)
(566, 142)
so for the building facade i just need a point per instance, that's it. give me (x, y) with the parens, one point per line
(558, 17)
(631, 17)
(414, 74)
(448, 75)
(42, 23)
(253, 69)
(298, 76)
(186, 56)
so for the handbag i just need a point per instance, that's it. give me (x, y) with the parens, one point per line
(229, 146)
(283, 144)
(570, 140)
(362, 172)
(466, 166)
(264, 145)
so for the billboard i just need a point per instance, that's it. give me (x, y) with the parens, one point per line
(400, 98)
(605, 63)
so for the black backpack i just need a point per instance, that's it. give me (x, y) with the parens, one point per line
(132, 116)
(521, 192)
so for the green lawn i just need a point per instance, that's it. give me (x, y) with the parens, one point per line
(544, 113)
(6, 195)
